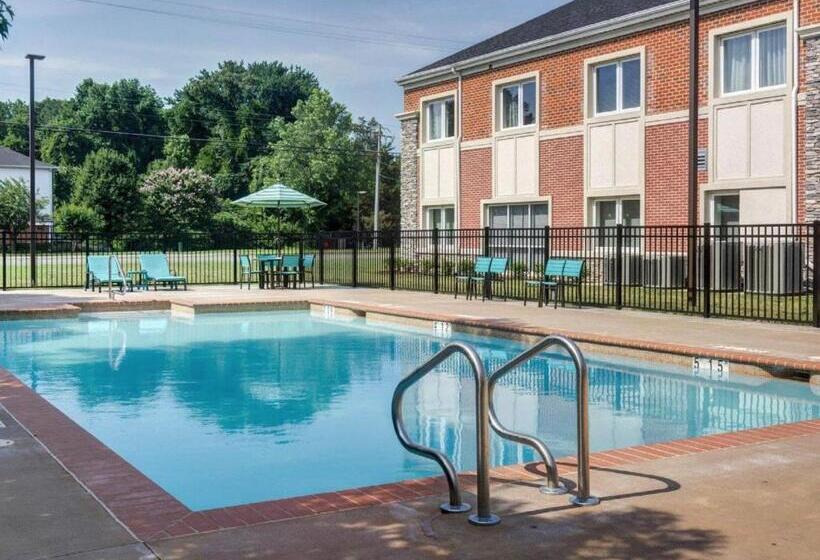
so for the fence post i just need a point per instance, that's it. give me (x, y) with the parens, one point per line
(435, 260)
(321, 243)
(707, 270)
(486, 250)
(816, 265)
(302, 259)
(355, 267)
(87, 254)
(235, 257)
(4, 261)
(392, 261)
(546, 247)
(619, 264)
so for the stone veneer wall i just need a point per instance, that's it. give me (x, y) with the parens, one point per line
(813, 129)
(410, 172)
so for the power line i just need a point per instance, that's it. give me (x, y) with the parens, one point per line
(277, 17)
(275, 28)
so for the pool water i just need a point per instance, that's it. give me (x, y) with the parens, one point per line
(225, 409)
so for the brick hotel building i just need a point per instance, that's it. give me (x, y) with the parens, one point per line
(580, 117)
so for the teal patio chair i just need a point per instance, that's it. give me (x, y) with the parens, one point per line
(97, 273)
(553, 271)
(289, 270)
(246, 271)
(497, 274)
(308, 262)
(481, 267)
(572, 276)
(155, 270)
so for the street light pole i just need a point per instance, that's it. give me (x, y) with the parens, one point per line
(694, 56)
(32, 117)
(358, 209)
(378, 180)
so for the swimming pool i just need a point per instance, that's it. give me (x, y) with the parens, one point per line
(226, 409)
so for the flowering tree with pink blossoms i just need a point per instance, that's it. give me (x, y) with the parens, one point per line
(178, 200)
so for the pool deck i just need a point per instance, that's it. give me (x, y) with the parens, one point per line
(751, 494)
(768, 345)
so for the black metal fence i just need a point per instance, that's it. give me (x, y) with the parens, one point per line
(764, 272)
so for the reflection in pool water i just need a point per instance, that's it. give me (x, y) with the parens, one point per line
(235, 408)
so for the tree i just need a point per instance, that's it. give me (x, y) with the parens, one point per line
(323, 154)
(14, 207)
(107, 183)
(179, 200)
(77, 219)
(82, 125)
(233, 106)
(6, 15)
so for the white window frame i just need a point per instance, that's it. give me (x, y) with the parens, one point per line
(500, 104)
(428, 121)
(441, 208)
(509, 205)
(713, 204)
(755, 60)
(619, 86)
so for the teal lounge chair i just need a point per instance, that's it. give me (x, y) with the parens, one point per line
(481, 268)
(498, 271)
(307, 268)
(246, 271)
(97, 272)
(553, 271)
(155, 270)
(289, 270)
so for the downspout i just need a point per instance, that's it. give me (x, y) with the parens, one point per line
(795, 91)
(457, 205)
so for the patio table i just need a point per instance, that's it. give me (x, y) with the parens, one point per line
(267, 264)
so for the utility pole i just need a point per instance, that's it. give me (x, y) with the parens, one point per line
(378, 185)
(32, 121)
(694, 55)
(358, 209)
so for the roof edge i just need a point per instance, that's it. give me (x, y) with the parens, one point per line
(645, 19)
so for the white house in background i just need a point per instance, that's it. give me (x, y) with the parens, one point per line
(14, 165)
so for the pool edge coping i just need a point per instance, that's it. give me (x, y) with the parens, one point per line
(150, 513)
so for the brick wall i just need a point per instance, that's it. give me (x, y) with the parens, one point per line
(562, 178)
(476, 185)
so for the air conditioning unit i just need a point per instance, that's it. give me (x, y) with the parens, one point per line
(774, 267)
(631, 267)
(726, 265)
(664, 270)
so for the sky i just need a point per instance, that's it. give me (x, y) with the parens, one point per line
(356, 48)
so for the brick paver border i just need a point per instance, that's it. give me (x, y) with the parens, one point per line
(151, 513)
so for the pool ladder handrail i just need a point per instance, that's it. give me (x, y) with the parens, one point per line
(553, 484)
(483, 516)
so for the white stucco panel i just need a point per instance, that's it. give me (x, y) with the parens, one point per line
(627, 150)
(768, 120)
(446, 172)
(732, 143)
(764, 206)
(525, 164)
(505, 167)
(601, 156)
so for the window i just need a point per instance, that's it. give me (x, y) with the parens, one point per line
(442, 217)
(623, 211)
(618, 86)
(505, 216)
(753, 60)
(517, 105)
(441, 119)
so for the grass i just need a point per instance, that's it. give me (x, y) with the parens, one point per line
(217, 267)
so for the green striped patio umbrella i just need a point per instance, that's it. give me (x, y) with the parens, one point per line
(279, 196)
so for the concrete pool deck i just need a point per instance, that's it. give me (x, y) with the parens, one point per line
(757, 499)
(769, 345)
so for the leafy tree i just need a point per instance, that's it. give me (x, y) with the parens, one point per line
(123, 106)
(77, 219)
(6, 15)
(14, 206)
(14, 125)
(323, 154)
(233, 106)
(107, 183)
(179, 200)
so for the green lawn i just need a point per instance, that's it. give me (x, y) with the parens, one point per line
(217, 267)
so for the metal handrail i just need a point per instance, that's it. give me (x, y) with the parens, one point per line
(554, 485)
(455, 505)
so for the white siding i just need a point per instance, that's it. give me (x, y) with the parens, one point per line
(615, 155)
(44, 181)
(516, 165)
(438, 172)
